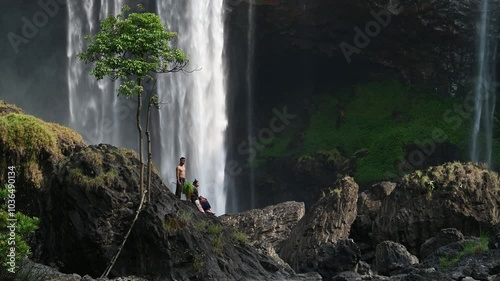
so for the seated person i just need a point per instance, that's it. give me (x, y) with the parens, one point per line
(200, 201)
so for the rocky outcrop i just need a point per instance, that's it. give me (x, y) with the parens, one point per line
(468, 259)
(318, 231)
(444, 237)
(87, 198)
(342, 255)
(455, 195)
(391, 256)
(269, 225)
(267, 228)
(369, 203)
(91, 203)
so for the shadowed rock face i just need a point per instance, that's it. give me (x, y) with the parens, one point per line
(329, 220)
(455, 195)
(428, 42)
(90, 204)
(87, 199)
(271, 224)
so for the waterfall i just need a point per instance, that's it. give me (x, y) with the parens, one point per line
(193, 121)
(92, 104)
(249, 86)
(482, 134)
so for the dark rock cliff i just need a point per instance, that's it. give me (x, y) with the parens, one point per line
(86, 198)
(426, 41)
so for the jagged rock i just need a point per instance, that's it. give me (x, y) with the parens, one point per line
(444, 237)
(494, 242)
(271, 224)
(369, 203)
(391, 256)
(466, 258)
(343, 255)
(454, 195)
(329, 220)
(364, 268)
(267, 228)
(87, 205)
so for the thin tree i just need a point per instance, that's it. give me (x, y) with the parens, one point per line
(133, 48)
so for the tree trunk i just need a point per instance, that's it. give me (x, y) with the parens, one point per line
(139, 128)
(150, 154)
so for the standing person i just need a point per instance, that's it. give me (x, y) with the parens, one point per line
(180, 174)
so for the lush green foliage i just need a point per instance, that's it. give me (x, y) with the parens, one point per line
(24, 226)
(132, 47)
(25, 139)
(380, 118)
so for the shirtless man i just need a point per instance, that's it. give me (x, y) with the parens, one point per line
(180, 174)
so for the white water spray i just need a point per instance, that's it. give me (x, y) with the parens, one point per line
(249, 84)
(91, 102)
(482, 135)
(194, 120)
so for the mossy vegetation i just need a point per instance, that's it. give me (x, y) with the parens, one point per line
(374, 122)
(453, 175)
(6, 108)
(105, 179)
(470, 248)
(28, 141)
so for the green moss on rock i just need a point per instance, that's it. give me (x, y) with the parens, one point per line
(28, 143)
(6, 108)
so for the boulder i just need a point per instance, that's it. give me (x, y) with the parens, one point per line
(391, 256)
(455, 195)
(444, 237)
(343, 255)
(87, 204)
(91, 203)
(317, 232)
(369, 203)
(272, 224)
(494, 242)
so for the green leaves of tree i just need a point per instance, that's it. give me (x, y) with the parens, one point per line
(132, 47)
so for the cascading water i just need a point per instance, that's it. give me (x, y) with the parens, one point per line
(91, 102)
(482, 135)
(194, 119)
(249, 84)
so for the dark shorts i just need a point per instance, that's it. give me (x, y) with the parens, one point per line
(178, 188)
(205, 205)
